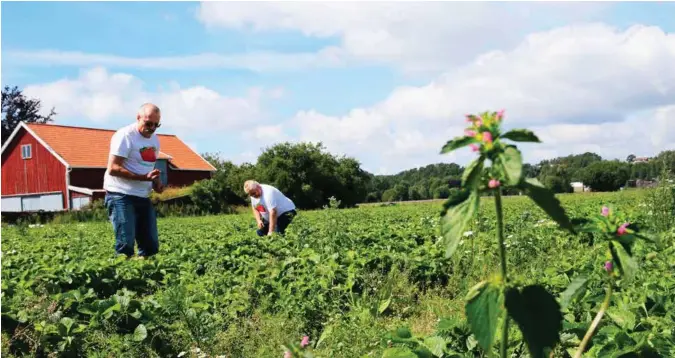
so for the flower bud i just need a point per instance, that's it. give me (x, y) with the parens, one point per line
(622, 229)
(493, 183)
(487, 137)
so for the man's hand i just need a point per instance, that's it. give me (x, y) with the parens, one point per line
(157, 185)
(260, 224)
(116, 168)
(153, 175)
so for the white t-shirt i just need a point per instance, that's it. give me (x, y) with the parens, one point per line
(271, 198)
(140, 153)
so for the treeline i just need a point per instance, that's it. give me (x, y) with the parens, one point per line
(310, 175)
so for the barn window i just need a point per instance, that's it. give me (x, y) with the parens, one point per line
(26, 151)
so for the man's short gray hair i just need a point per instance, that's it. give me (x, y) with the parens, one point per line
(147, 109)
(250, 184)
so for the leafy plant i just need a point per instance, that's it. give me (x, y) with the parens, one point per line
(492, 303)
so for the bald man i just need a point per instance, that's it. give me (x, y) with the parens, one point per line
(130, 178)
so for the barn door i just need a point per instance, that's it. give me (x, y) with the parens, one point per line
(163, 167)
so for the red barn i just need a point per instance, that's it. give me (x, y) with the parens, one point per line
(54, 167)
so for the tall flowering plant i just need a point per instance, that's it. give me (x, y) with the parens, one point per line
(493, 302)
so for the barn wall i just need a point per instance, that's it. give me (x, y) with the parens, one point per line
(87, 178)
(74, 194)
(185, 177)
(93, 178)
(40, 174)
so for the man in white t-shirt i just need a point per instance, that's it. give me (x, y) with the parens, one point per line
(272, 210)
(128, 181)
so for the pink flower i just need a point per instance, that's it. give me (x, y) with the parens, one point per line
(474, 147)
(605, 211)
(305, 341)
(500, 115)
(288, 354)
(469, 133)
(479, 122)
(487, 137)
(608, 266)
(469, 118)
(622, 229)
(493, 183)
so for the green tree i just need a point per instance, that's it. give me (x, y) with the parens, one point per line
(606, 175)
(17, 108)
(310, 175)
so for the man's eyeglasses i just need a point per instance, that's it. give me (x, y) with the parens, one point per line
(152, 124)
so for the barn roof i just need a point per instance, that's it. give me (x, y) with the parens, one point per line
(82, 147)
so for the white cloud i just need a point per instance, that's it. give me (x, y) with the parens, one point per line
(267, 134)
(101, 96)
(582, 88)
(415, 36)
(254, 61)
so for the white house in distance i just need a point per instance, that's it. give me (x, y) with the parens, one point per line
(579, 187)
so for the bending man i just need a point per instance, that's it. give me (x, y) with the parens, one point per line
(272, 210)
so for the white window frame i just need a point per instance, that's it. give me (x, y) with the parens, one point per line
(25, 151)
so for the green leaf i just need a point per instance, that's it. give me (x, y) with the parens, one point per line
(512, 162)
(422, 352)
(456, 143)
(538, 316)
(483, 312)
(66, 324)
(520, 135)
(140, 333)
(625, 262)
(472, 172)
(455, 199)
(384, 305)
(398, 352)
(22, 316)
(455, 221)
(436, 345)
(623, 318)
(574, 290)
(547, 201)
(326, 333)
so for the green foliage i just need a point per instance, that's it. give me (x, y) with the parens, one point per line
(606, 175)
(536, 311)
(538, 316)
(216, 286)
(484, 304)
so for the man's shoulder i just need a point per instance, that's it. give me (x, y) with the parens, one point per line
(124, 131)
(269, 188)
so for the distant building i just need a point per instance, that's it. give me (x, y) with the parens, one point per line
(641, 160)
(578, 187)
(47, 167)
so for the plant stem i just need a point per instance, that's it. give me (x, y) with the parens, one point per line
(594, 324)
(502, 254)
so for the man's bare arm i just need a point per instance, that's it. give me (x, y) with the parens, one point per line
(115, 168)
(273, 221)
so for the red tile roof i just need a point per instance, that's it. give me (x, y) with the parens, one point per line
(89, 147)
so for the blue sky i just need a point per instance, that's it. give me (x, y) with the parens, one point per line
(385, 83)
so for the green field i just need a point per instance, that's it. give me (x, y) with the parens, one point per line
(346, 278)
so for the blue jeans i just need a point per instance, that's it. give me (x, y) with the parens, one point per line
(282, 223)
(133, 220)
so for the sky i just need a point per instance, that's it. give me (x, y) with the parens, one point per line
(385, 83)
